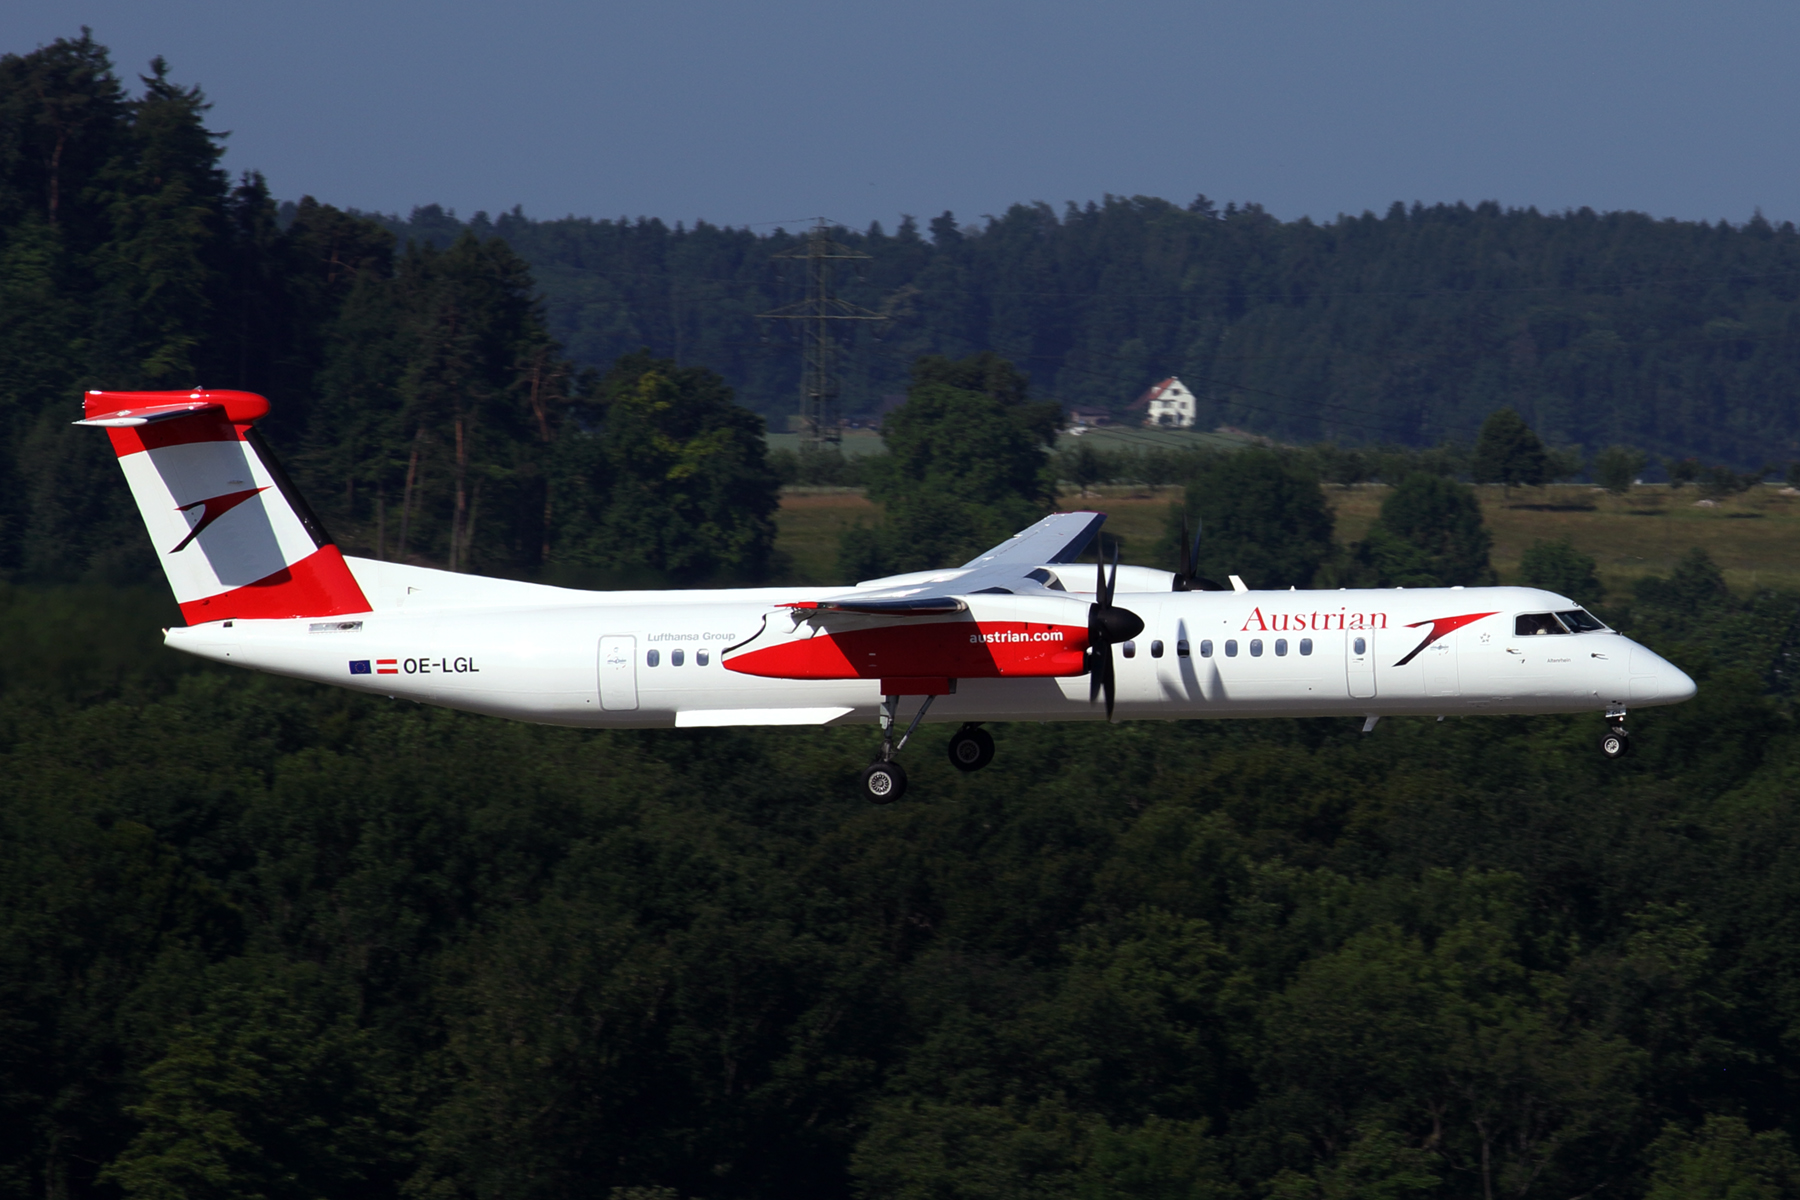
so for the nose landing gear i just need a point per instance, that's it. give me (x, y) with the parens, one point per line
(1615, 742)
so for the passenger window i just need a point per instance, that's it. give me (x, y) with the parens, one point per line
(1305, 645)
(1206, 648)
(1181, 648)
(1156, 649)
(1230, 647)
(1580, 621)
(1537, 624)
(1359, 646)
(1255, 647)
(653, 657)
(675, 657)
(1281, 647)
(700, 658)
(1130, 649)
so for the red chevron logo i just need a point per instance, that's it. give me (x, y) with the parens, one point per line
(1439, 627)
(216, 507)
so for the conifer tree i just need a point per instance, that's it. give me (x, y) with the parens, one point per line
(1509, 452)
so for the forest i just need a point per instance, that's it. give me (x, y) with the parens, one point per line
(1679, 337)
(265, 939)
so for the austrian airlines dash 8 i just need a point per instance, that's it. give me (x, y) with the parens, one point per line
(1020, 633)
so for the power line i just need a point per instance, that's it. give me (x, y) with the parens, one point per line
(819, 383)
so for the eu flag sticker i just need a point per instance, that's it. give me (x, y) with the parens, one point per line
(359, 666)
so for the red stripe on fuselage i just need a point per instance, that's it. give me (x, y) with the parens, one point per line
(952, 649)
(319, 585)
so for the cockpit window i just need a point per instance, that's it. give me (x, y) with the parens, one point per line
(1581, 621)
(1047, 578)
(1534, 624)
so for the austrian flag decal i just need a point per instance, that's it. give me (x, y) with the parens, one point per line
(1439, 627)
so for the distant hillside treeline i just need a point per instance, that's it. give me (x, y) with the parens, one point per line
(1681, 337)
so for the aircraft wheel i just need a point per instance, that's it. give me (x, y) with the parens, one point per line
(883, 782)
(971, 748)
(1615, 743)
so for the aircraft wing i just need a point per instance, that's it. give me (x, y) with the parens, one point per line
(1059, 537)
(1005, 569)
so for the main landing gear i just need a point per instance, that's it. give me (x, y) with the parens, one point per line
(1615, 742)
(971, 748)
(884, 780)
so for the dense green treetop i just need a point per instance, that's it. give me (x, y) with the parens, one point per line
(1262, 517)
(676, 485)
(1429, 534)
(1509, 452)
(1616, 468)
(1555, 565)
(967, 466)
(969, 430)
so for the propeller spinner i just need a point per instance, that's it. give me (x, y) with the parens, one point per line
(1107, 626)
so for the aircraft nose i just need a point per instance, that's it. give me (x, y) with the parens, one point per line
(1656, 680)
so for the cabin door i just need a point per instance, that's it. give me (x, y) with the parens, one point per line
(618, 674)
(1359, 661)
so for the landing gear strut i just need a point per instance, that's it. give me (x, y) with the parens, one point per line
(971, 748)
(1615, 742)
(884, 781)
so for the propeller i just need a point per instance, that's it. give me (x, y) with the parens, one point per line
(1185, 579)
(1107, 625)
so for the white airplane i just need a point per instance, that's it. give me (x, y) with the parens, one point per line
(1017, 634)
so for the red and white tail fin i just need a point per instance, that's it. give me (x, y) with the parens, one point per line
(234, 537)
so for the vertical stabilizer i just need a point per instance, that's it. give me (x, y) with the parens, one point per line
(232, 534)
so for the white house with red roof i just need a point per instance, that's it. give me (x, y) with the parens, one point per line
(1168, 405)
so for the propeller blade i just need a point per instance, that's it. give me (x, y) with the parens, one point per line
(1187, 560)
(1194, 556)
(1100, 674)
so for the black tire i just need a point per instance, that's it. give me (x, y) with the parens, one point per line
(1615, 743)
(971, 749)
(883, 782)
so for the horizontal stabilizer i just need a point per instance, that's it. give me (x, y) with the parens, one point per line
(123, 410)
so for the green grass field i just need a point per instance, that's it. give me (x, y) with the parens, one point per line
(1754, 537)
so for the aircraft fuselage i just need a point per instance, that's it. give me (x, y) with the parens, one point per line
(663, 659)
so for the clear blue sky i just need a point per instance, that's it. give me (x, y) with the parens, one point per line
(745, 113)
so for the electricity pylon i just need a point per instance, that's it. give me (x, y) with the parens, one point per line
(819, 385)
